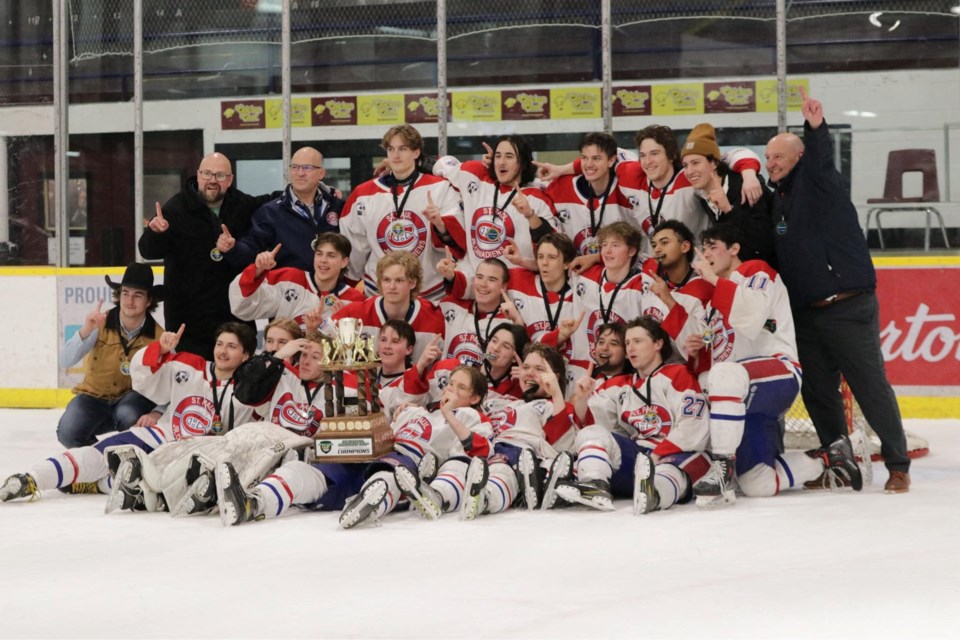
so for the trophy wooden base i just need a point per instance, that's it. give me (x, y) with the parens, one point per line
(353, 438)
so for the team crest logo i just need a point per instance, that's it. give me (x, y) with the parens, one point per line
(290, 295)
(581, 289)
(489, 232)
(325, 446)
(654, 312)
(634, 201)
(721, 338)
(650, 421)
(449, 315)
(564, 215)
(296, 416)
(192, 417)
(180, 377)
(405, 233)
(472, 186)
(502, 420)
(442, 378)
(361, 208)
(465, 347)
(416, 429)
(586, 242)
(518, 303)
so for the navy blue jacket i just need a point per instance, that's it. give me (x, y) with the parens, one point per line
(276, 222)
(821, 250)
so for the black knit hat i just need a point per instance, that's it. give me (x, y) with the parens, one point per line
(138, 276)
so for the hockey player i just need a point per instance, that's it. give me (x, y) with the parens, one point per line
(403, 210)
(470, 323)
(399, 280)
(498, 202)
(609, 361)
(263, 291)
(586, 202)
(279, 332)
(200, 400)
(748, 338)
(365, 492)
(646, 434)
(525, 431)
(656, 187)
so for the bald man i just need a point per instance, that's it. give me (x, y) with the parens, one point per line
(826, 266)
(306, 208)
(184, 234)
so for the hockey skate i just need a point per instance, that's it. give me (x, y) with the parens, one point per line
(236, 505)
(125, 493)
(645, 496)
(125, 498)
(718, 487)
(840, 466)
(425, 499)
(560, 469)
(428, 466)
(530, 476)
(592, 493)
(475, 495)
(365, 506)
(80, 487)
(201, 496)
(19, 485)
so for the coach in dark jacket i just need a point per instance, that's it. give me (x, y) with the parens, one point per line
(306, 208)
(184, 235)
(830, 277)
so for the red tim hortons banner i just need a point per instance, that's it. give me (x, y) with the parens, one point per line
(919, 326)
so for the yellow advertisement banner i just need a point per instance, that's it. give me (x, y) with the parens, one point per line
(299, 112)
(767, 94)
(476, 106)
(575, 102)
(680, 99)
(380, 110)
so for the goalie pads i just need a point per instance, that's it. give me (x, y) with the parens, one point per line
(256, 379)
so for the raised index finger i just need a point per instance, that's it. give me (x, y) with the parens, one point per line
(226, 231)
(180, 332)
(516, 356)
(276, 250)
(487, 147)
(159, 211)
(429, 199)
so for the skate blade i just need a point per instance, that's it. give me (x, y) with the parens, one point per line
(424, 507)
(365, 506)
(572, 495)
(716, 502)
(228, 512)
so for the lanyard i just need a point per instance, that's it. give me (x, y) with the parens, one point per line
(552, 320)
(306, 391)
(218, 401)
(605, 313)
(596, 224)
(655, 215)
(645, 399)
(398, 205)
(484, 337)
(496, 194)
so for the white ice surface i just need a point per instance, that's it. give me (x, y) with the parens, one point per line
(805, 564)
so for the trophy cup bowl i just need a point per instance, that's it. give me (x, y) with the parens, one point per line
(348, 329)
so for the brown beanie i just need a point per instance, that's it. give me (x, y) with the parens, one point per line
(703, 141)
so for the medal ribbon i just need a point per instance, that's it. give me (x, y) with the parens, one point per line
(605, 313)
(655, 215)
(552, 320)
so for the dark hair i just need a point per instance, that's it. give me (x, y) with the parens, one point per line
(504, 269)
(478, 382)
(524, 151)
(339, 242)
(615, 327)
(562, 243)
(726, 233)
(553, 359)
(151, 306)
(663, 136)
(656, 332)
(682, 231)
(245, 334)
(519, 334)
(604, 141)
(403, 329)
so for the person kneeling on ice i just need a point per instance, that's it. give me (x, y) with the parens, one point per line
(200, 399)
(367, 491)
(646, 436)
(525, 431)
(745, 339)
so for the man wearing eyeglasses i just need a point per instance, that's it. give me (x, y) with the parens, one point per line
(307, 208)
(185, 234)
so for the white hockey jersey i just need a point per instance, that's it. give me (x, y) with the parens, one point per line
(284, 293)
(581, 216)
(489, 218)
(417, 431)
(468, 331)
(423, 315)
(198, 403)
(665, 413)
(540, 309)
(532, 424)
(378, 219)
(296, 405)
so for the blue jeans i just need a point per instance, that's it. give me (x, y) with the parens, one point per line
(87, 417)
